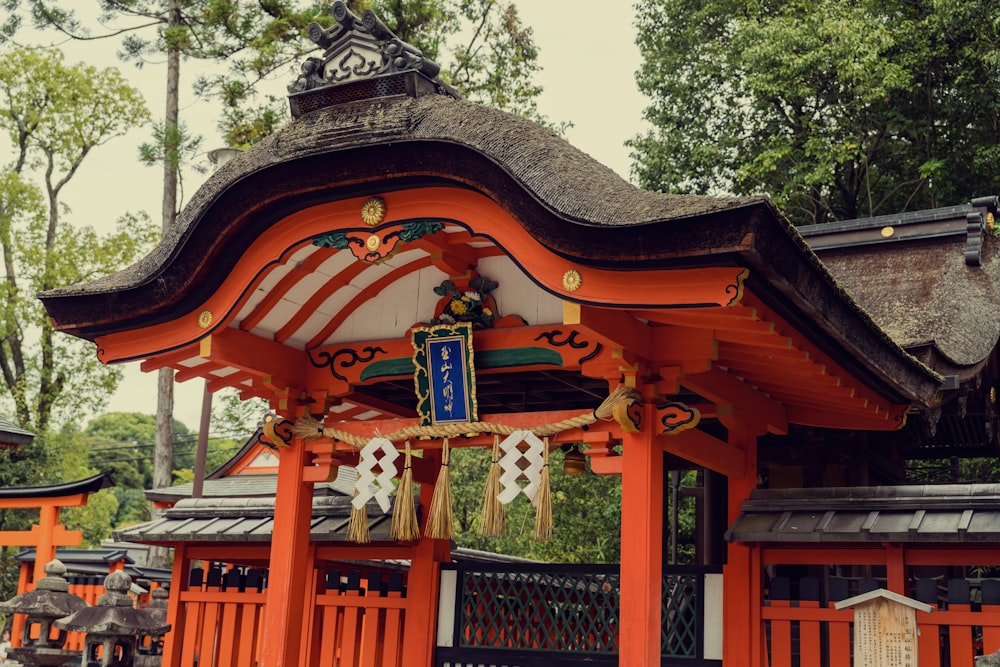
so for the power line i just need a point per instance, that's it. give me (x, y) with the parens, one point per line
(148, 444)
(146, 458)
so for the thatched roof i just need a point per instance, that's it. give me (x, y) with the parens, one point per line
(568, 202)
(917, 284)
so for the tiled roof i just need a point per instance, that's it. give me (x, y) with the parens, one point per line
(248, 486)
(13, 435)
(249, 520)
(962, 513)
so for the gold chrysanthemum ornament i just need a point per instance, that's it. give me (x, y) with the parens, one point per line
(373, 211)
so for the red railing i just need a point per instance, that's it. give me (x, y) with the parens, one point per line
(354, 621)
(808, 632)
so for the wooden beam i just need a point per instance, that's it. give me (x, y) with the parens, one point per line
(754, 337)
(731, 318)
(234, 380)
(204, 370)
(891, 420)
(749, 408)
(73, 500)
(690, 349)
(451, 259)
(318, 297)
(615, 328)
(169, 360)
(287, 282)
(257, 356)
(824, 394)
(358, 300)
(385, 407)
(752, 349)
(779, 367)
(706, 451)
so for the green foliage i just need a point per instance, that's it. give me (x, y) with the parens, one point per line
(52, 116)
(122, 443)
(837, 110)
(586, 513)
(96, 518)
(482, 45)
(233, 415)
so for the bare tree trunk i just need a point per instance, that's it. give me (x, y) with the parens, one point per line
(163, 453)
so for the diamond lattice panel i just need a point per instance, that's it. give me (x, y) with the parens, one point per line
(541, 611)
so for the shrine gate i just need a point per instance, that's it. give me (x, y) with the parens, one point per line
(312, 270)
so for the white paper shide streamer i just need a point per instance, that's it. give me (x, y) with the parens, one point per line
(511, 467)
(377, 452)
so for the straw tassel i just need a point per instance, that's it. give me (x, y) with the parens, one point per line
(357, 528)
(440, 521)
(620, 394)
(405, 526)
(493, 515)
(543, 502)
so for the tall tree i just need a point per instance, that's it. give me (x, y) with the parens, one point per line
(838, 110)
(256, 39)
(212, 30)
(52, 117)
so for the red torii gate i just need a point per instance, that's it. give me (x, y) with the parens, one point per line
(48, 533)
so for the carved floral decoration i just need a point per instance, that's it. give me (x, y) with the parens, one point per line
(473, 305)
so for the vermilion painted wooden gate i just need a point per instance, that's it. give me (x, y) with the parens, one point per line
(353, 621)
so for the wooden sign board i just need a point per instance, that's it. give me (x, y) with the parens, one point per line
(885, 628)
(444, 374)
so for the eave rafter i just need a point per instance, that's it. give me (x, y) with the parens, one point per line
(696, 328)
(761, 373)
(705, 450)
(287, 282)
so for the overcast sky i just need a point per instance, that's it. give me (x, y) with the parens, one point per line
(589, 59)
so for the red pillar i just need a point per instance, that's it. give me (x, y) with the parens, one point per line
(423, 588)
(175, 608)
(288, 578)
(45, 548)
(895, 568)
(742, 641)
(642, 546)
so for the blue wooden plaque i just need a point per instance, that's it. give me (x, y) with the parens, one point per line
(444, 377)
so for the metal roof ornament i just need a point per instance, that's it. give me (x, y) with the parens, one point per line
(359, 52)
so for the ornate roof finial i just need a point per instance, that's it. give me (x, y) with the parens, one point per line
(363, 59)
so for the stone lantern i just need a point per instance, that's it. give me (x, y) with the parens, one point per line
(113, 626)
(152, 645)
(49, 601)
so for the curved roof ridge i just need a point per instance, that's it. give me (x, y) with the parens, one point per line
(562, 178)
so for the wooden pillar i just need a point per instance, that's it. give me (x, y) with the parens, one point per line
(642, 546)
(742, 642)
(423, 587)
(895, 568)
(285, 612)
(45, 548)
(175, 608)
